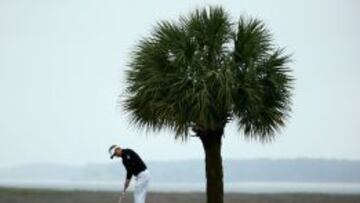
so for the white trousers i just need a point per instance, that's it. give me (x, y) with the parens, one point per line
(141, 185)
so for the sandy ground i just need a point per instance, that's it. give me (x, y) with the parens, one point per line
(48, 196)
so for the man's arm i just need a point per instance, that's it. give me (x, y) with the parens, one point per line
(126, 184)
(129, 174)
(128, 179)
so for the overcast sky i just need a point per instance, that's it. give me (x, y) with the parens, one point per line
(62, 69)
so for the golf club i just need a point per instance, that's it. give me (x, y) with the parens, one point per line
(121, 197)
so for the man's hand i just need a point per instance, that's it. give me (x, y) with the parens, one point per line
(126, 185)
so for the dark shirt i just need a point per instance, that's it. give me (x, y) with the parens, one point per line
(132, 162)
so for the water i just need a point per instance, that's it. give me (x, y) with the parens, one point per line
(244, 187)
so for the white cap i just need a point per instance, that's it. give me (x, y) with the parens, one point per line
(112, 150)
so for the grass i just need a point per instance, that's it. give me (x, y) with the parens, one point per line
(11, 195)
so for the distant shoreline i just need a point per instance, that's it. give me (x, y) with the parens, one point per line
(235, 171)
(57, 190)
(239, 187)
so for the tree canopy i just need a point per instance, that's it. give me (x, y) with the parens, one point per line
(203, 70)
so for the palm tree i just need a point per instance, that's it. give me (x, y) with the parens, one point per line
(204, 70)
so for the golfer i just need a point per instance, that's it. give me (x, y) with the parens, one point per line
(134, 167)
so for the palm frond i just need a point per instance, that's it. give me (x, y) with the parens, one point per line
(204, 69)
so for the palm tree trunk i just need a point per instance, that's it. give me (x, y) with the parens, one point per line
(214, 170)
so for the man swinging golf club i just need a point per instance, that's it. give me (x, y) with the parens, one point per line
(134, 166)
